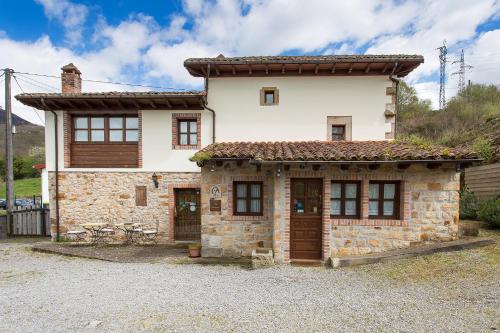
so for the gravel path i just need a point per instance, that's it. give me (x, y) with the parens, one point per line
(49, 293)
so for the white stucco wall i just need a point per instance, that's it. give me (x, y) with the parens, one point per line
(304, 104)
(157, 153)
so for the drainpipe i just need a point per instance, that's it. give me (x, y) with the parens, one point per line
(396, 81)
(56, 136)
(205, 102)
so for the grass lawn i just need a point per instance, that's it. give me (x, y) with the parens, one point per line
(23, 188)
(478, 264)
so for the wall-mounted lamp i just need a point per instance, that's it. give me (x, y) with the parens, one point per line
(278, 170)
(154, 177)
(212, 167)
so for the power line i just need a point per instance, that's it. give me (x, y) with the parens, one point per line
(40, 118)
(39, 82)
(107, 82)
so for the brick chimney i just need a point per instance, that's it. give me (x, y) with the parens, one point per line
(71, 82)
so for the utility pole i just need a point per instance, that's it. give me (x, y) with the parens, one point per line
(442, 75)
(461, 72)
(9, 174)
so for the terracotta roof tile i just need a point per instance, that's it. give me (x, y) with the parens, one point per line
(114, 94)
(330, 151)
(304, 59)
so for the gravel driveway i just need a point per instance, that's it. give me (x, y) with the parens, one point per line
(43, 292)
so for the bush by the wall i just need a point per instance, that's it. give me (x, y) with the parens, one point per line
(468, 204)
(489, 211)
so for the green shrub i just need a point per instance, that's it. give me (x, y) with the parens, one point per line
(484, 149)
(489, 211)
(468, 204)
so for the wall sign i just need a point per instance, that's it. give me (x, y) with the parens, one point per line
(215, 192)
(215, 205)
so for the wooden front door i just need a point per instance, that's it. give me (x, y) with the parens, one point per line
(187, 219)
(306, 218)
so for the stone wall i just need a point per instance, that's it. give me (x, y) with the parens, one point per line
(94, 196)
(223, 234)
(428, 210)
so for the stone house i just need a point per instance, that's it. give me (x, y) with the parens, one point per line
(291, 153)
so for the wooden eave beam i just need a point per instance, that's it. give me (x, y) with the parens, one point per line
(87, 104)
(433, 166)
(152, 103)
(267, 69)
(300, 68)
(104, 105)
(350, 68)
(120, 104)
(216, 70)
(368, 68)
(316, 69)
(283, 70)
(203, 71)
(373, 166)
(134, 103)
(167, 102)
(385, 68)
(233, 69)
(185, 103)
(333, 68)
(249, 69)
(403, 166)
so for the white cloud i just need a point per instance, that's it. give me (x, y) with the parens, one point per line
(139, 50)
(71, 16)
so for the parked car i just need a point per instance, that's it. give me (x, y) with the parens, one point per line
(3, 204)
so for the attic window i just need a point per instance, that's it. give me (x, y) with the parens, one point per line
(269, 96)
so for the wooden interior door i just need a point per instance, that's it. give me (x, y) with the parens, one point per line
(187, 219)
(306, 218)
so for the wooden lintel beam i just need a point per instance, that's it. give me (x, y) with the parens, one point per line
(368, 68)
(316, 69)
(333, 69)
(55, 104)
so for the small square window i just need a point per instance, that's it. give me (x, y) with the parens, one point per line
(187, 131)
(247, 198)
(269, 96)
(384, 199)
(338, 132)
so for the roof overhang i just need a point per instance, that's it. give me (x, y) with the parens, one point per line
(345, 65)
(115, 101)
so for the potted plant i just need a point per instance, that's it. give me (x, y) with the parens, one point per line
(194, 250)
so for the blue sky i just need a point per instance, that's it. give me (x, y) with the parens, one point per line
(145, 42)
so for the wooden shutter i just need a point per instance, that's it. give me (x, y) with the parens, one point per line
(141, 198)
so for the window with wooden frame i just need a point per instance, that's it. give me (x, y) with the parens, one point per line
(187, 132)
(105, 129)
(269, 96)
(338, 132)
(247, 198)
(141, 196)
(345, 199)
(384, 199)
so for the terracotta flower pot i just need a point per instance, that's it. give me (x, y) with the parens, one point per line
(194, 251)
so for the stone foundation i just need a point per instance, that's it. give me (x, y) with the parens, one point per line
(428, 210)
(86, 197)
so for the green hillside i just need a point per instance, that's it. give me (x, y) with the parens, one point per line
(470, 119)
